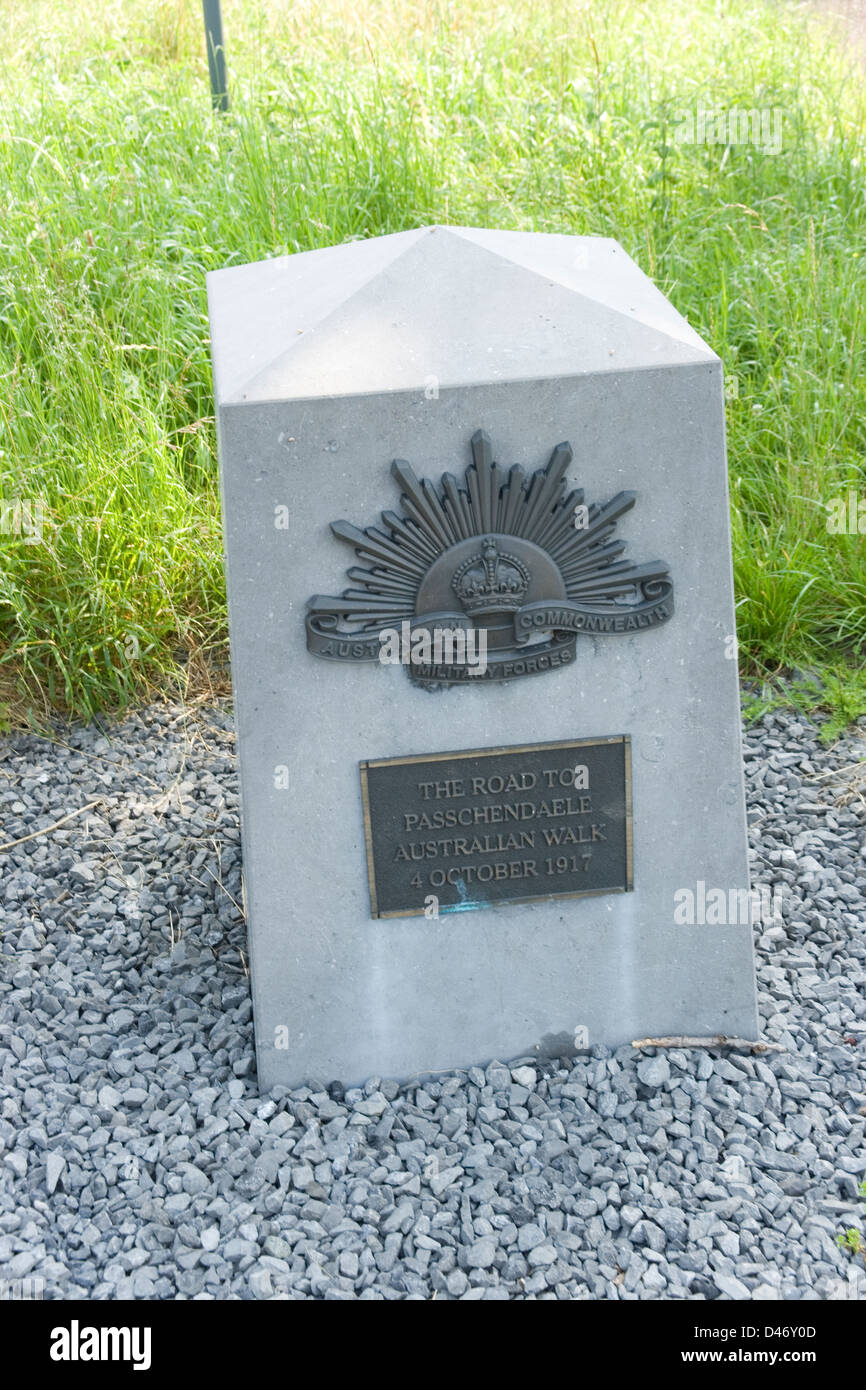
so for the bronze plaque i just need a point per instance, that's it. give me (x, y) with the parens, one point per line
(451, 832)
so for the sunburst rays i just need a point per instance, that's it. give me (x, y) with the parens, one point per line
(492, 500)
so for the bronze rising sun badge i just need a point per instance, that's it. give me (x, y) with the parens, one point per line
(520, 559)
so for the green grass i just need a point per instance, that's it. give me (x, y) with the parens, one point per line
(121, 189)
(852, 1240)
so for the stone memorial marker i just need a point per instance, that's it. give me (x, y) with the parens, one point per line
(482, 630)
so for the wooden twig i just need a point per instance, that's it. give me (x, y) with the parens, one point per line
(48, 828)
(719, 1041)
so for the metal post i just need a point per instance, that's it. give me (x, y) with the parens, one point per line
(216, 54)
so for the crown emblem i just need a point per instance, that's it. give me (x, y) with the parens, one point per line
(491, 582)
(520, 560)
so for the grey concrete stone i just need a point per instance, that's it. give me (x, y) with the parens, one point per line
(327, 366)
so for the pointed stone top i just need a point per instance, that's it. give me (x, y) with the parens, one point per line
(443, 306)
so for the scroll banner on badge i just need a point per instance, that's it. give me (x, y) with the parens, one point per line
(326, 639)
(565, 615)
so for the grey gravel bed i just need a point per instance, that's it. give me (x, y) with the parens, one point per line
(137, 1159)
